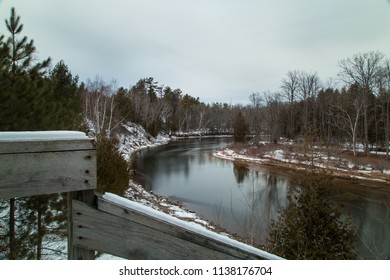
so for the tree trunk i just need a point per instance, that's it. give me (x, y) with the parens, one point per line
(40, 235)
(12, 239)
(366, 126)
(387, 124)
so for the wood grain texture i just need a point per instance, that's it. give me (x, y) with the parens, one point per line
(37, 146)
(132, 235)
(28, 174)
(74, 252)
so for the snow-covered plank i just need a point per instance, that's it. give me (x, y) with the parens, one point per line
(143, 233)
(14, 136)
(31, 142)
(46, 172)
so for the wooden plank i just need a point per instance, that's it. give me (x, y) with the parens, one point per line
(45, 173)
(167, 227)
(35, 146)
(77, 253)
(133, 235)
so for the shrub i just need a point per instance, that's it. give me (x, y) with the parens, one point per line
(310, 226)
(113, 172)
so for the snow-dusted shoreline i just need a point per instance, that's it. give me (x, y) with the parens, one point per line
(281, 158)
(134, 138)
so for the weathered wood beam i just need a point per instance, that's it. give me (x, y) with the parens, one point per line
(20, 147)
(28, 174)
(46, 162)
(131, 234)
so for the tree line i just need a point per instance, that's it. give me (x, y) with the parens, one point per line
(306, 109)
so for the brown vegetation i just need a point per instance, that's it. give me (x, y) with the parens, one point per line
(340, 161)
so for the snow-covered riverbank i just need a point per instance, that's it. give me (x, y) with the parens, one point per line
(294, 157)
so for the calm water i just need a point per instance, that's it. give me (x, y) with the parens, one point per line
(245, 198)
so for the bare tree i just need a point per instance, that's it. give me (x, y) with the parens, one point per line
(347, 112)
(272, 115)
(309, 85)
(289, 88)
(384, 96)
(99, 104)
(362, 70)
(255, 117)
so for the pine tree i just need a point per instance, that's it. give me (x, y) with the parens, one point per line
(240, 128)
(310, 226)
(23, 105)
(27, 102)
(66, 98)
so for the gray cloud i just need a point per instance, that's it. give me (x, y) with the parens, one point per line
(219, 50)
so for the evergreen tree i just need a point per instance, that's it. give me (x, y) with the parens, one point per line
(22, 97)
(240, 128)
(31, 101)
(66, 98)
(310, 226)
(21, 104)
(124, 109)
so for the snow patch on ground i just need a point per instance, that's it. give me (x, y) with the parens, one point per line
(277, 155)
(232, 155)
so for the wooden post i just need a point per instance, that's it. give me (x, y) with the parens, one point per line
(74, 252)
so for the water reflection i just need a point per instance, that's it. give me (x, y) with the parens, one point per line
(241, 171)
(244, 198)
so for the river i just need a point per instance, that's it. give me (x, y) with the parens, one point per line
(245, 198)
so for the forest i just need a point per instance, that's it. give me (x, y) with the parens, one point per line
(37, 94)
(303, 108)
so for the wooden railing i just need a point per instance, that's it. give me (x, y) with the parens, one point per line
(54, 162)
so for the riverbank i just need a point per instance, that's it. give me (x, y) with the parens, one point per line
(341, 163)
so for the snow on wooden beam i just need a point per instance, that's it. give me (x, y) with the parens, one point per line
(130, 230)
(35, 163)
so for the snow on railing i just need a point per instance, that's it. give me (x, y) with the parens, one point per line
(42, 135)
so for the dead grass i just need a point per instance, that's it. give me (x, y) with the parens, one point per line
(372, 161)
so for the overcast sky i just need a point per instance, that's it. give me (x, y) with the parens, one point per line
(217, 50)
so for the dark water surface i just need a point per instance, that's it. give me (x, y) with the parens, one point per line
(245, 199)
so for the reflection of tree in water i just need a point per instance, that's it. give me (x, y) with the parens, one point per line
(261, 199)
(372, 223)
(371, 218)
(241, 171)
